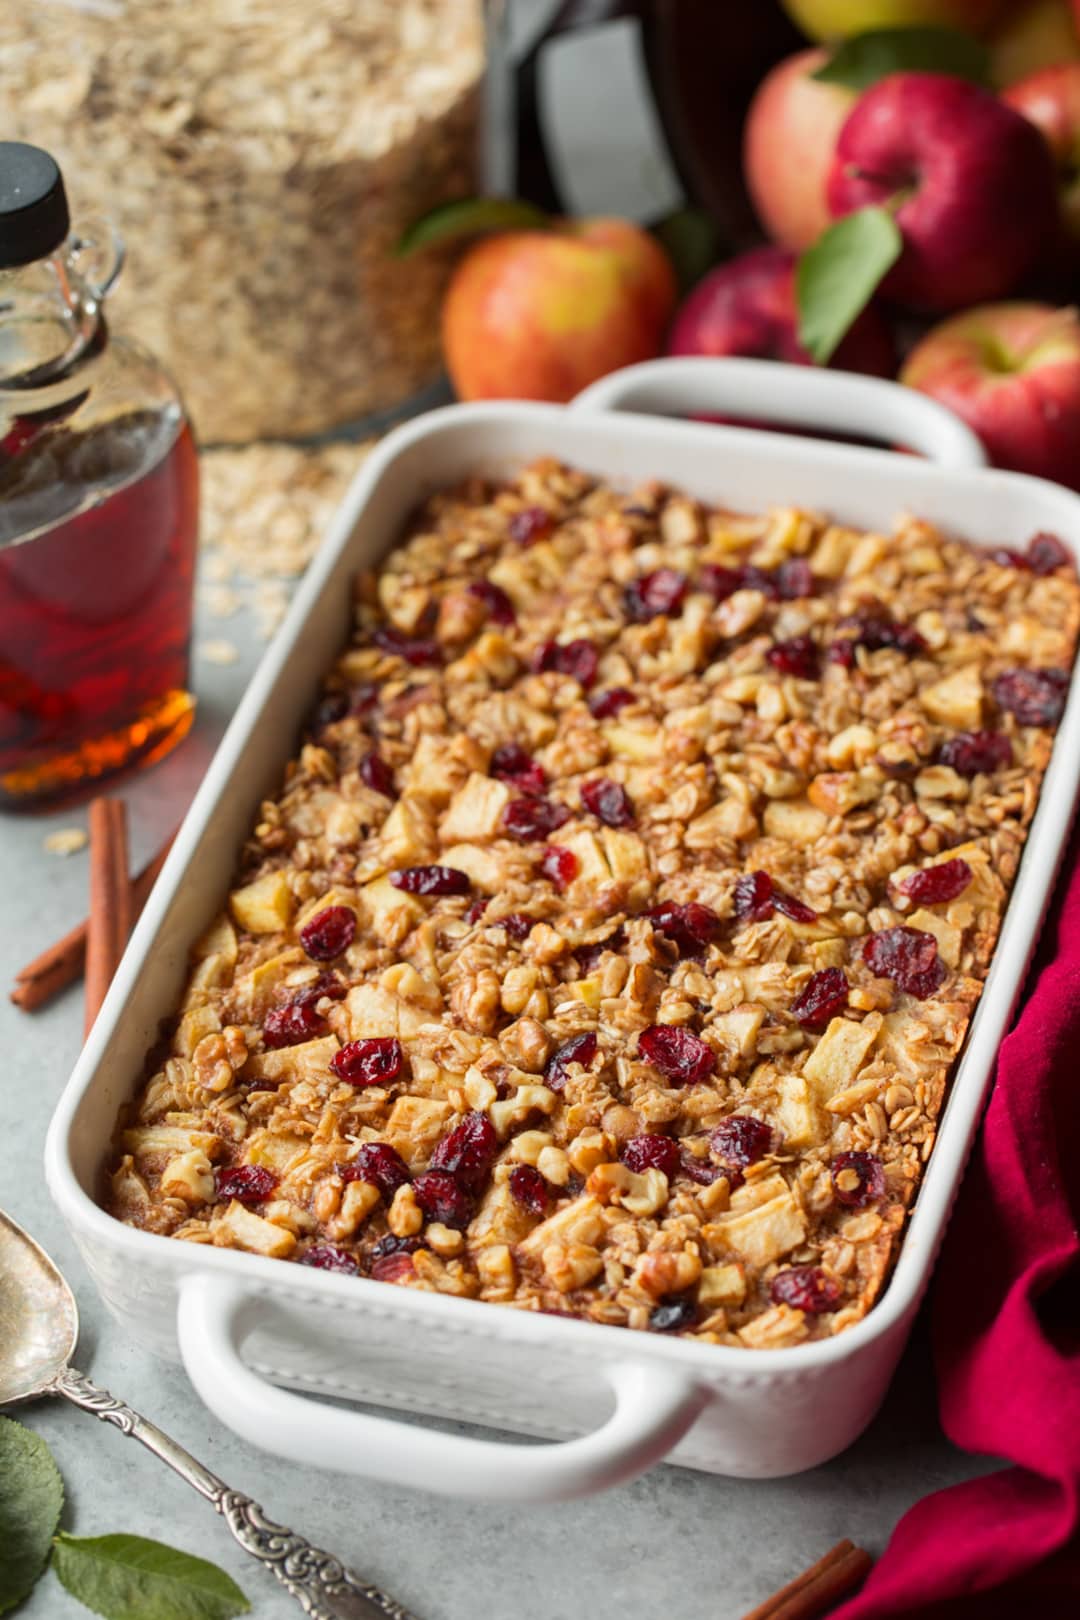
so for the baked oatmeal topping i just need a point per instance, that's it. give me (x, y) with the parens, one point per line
(609, 943)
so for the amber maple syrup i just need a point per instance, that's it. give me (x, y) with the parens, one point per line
(95, 598)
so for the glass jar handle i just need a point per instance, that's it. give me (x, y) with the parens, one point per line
(96, 256)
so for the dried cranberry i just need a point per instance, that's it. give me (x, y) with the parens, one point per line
(692, 926)
(753, 578)
(530, 818)
(328, 933)
(395, 1245)
(560, 866)
(858, 1179)
(378, 1163)
(874, 630)
(717, 581)
(704, 1173)
(531, 524)
(392, 1268)
(662, 591)
(798, 656)
(650, 1152)
(842, 653)
(753, 896)
(500, 609)
(328, 1257)
(331, 707)
(936, 884)
(475, 910)
(587, 956)
(680, 1055)
(805, 1288)
(511, 763)
(606, 705)
(673, 1315)
(578, 659)
(1035, 696)
(468, 1152)
(441, 1199)
(289, 1025)
(795, 579)
(970, 753)
(608, 800)
(578, 1049)
(431, 880)
(822, 997)
(1005, 558)
(413, 649)
(518, 924)
(247, 1183)
(907, 956)
(741, 1140)
(370, 1062)
(1046, 553)
(797, 910)
(376, 774)
(529, 1189)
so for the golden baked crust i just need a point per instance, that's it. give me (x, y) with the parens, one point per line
(791, 809)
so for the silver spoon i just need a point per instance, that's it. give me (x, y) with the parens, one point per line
(39, 1328)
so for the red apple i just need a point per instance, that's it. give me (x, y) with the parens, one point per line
(829, 19)
(541, 314)
(1012, 371)
(1051, 99)
(788, 144)
(970, 180)
(748, 307)
(1034, 34)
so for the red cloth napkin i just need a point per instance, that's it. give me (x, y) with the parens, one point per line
(1006, 1327)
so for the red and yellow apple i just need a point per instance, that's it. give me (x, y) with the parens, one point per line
(539, 314)
(835, 19)
(1051, 99)
(1034, 34)
(1012, 372)
(969, 180)
(747, 307)
(788, 143)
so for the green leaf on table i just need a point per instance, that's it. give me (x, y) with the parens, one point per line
(691, 240)
(838, 276)
(131, 1578)
(31, 1496)
(865, 58)
(471, 216)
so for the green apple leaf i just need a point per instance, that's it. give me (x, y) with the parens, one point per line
(131, 1578)
(692, 242)
(838, 276)
(864, 59)
(31, 1496)
(471, 216)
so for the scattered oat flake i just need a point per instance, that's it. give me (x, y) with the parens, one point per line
(222, 601)
(218, 652)
(64, 841)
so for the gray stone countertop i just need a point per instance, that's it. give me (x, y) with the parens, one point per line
(674, 1545)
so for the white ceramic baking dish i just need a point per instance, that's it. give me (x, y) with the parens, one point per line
(616, 1401)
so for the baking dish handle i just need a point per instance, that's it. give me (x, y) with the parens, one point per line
(655, 1405)
(793, 396)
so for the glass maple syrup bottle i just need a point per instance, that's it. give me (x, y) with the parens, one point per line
(98, 509)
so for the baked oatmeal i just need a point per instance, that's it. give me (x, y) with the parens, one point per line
(608, 947)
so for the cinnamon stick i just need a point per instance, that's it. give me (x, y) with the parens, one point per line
(109, 923)
(819, 1588)
(63, 962)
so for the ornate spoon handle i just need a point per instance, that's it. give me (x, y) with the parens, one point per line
(322, 1586)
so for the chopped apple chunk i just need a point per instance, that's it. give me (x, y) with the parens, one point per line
(265, 906)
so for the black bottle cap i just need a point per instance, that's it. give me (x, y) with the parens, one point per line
(34, 217)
